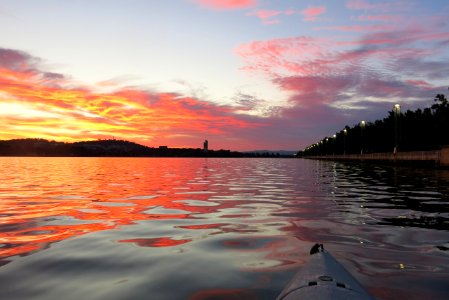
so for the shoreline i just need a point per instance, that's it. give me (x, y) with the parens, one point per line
(435, 158)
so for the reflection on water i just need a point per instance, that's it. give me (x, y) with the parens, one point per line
(137, 228)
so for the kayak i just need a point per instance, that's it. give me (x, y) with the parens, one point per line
(323, 277)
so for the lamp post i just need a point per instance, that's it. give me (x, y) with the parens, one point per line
(321, 148)
(345, 133)
(362, 127)
(334, 137)
(397, 112)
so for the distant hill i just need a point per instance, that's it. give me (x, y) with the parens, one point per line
(113, 148)
(118, 148)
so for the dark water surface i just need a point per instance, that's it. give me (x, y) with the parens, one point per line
(175, 228)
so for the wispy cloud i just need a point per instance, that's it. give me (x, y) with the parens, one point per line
(312, 13)
(332, 76)
(268, 16)
(380, 18)
(226, 4)
(378, 6)
(358, 28)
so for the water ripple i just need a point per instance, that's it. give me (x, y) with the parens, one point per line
(126, 228)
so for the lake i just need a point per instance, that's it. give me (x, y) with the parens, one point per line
(211, 228)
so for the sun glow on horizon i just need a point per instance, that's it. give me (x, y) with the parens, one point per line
(32, 107)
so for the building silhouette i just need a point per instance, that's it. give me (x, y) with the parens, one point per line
(206, 146)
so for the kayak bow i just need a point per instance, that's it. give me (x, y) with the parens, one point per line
(322, 277)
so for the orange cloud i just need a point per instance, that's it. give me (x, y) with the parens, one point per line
(34, 103)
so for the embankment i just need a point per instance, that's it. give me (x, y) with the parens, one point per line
(437, 158)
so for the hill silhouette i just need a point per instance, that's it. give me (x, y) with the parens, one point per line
(111, 148)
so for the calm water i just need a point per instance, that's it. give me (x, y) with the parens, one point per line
(172, 228)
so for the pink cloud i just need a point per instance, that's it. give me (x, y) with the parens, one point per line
(358, 28)
(313, 90)
(311, 14)
(383, 6)
(15, 60)
(267, 16)
(422, 84)
(279, 56)
(405, 36)
(327, 79)
(264, 14)
(317, 56)
(227, 4)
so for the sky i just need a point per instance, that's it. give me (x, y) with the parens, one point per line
(243, 74)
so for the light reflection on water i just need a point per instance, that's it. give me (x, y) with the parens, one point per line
(136, 228)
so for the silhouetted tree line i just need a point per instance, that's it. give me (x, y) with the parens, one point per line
(113, 148)
(419, 130)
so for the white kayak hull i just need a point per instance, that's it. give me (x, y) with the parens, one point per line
(322, 277)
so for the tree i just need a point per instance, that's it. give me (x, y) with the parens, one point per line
(423, 129)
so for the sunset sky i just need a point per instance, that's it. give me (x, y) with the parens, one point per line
(244, 74)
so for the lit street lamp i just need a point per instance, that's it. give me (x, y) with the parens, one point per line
(397, 112)
(362, 127)
(334, 142)
(345, 133)
(321, 147)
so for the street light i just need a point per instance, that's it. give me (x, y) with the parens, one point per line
(362, 127)
(397, 112)
(321, 147)
(334, 137)
(345, 133)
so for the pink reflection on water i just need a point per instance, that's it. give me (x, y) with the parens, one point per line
(47, 200)
(248, 218)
